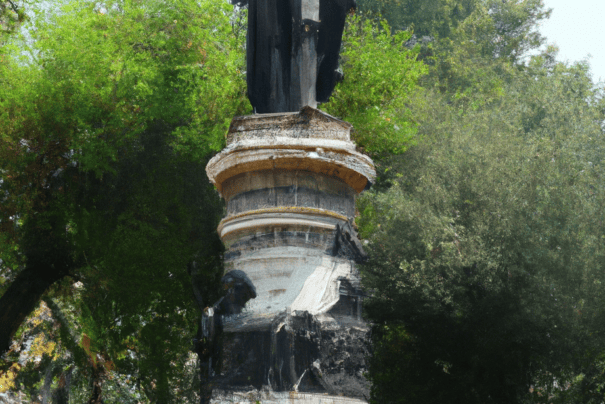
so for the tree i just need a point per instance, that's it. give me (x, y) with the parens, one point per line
(107, 119)
(485, 50)
(381, 73)
(485, 248)
(425, 18)
(11, 16)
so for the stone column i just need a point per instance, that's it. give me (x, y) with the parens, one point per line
(290, 182)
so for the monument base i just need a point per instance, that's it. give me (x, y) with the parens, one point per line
(313, 357)
(289, 329)
(272, 397)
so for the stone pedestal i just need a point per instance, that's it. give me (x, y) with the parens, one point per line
(290, 182)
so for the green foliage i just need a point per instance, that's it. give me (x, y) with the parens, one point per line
(483, 52)
(108, 117)
(176, 63)
(380, 73)
(424, 17)
(485, 238)
(11, 16)
(486, 250)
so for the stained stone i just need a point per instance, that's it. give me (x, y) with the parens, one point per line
(289, 329)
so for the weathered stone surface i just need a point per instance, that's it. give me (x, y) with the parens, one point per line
(309, 141)
(273, 397)
(351, 167)
(303, 332)
(290, 328)
(317, 238)
(279, 220)
(289, 278)
(299, 353)
(273, 188)
(308, 123)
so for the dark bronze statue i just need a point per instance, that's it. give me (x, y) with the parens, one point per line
(292, 51)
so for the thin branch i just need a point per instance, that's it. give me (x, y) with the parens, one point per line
(13, 6)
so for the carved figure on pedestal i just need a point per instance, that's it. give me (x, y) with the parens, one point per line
(238, 290)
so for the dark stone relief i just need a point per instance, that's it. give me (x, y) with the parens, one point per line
(208, 342)
(298, 353)
(347, 244)
(239, 289)
(350, 302)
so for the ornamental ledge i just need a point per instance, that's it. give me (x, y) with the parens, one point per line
(355, 169)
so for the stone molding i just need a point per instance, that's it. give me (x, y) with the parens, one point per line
(352, 167)
(282, 217)
(309, 140)
(273, 397)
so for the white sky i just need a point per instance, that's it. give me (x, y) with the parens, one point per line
(577, 28)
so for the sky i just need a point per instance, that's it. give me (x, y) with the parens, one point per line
(577, 28)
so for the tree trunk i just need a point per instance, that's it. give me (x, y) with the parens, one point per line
(48, 380)
(98, 376)
(61, 394)
(22, 297)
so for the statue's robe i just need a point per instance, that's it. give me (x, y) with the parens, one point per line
(292, 52)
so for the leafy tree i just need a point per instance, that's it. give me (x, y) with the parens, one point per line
(469, 46)
(11, 16)
(484, 51)
(107, 119)
(485, 248)
(484, 238)
(380, 75)
(425, 18)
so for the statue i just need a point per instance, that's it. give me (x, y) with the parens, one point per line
(238, 290)
(292, 51)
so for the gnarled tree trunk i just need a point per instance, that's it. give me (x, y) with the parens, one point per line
(22, 297)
